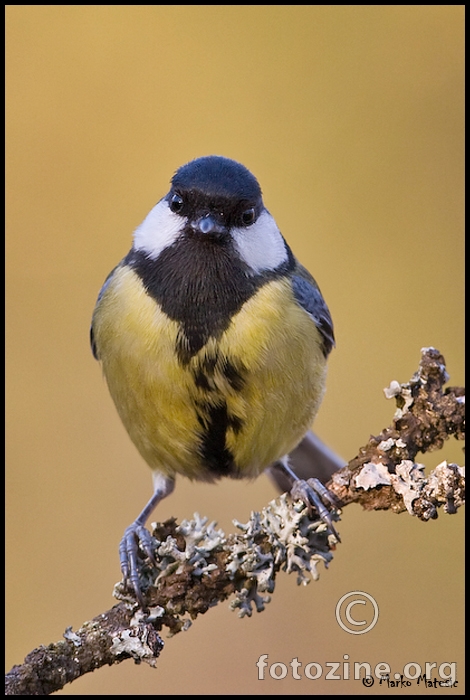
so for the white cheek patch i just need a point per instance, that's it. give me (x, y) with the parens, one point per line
(261, 245)
(158, 230)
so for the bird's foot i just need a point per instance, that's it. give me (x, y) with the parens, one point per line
(315, 495)
(135, 536)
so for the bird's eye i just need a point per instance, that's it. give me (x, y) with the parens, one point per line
(248, 217)
(176, 203)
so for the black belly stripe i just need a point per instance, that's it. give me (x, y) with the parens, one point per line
(215, 455)
(233, 374)
(213, 415)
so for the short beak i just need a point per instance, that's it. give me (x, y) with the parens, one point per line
(208, 224)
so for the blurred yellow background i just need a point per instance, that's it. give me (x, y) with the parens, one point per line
(351, 117)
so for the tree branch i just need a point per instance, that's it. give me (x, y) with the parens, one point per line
(384, 475)
(107, 639)
(198, 566)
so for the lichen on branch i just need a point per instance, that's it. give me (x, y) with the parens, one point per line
(384, 475)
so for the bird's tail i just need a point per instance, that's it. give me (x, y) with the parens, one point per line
(311, 458)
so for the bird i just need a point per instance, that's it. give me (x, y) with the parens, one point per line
(213, 340)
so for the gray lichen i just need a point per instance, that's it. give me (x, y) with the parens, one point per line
(280, 537)
(443, 486)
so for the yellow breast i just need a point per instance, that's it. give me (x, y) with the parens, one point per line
(243, 401)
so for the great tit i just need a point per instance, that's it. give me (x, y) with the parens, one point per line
(213, 340)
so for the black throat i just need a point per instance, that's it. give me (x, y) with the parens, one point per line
(200, 283)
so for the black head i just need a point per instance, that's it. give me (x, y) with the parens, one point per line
(215, 193)
(215, 207)
(216, 176)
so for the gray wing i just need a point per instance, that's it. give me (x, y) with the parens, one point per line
(308, 295)
(94, 349)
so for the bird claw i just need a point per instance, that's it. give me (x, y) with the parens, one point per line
(134, 536)
(315, 495)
